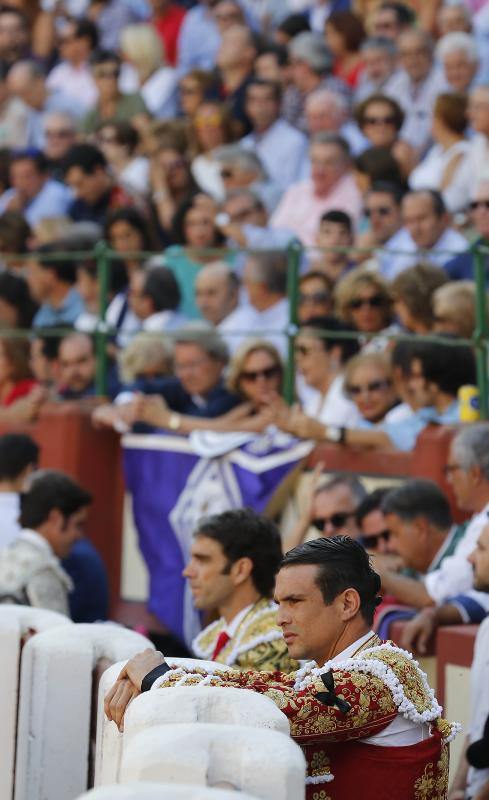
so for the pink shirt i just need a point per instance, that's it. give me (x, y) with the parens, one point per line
(300, 209)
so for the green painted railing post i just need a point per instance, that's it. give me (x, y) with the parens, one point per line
(103, 268)
(482, 332)
(294, 255)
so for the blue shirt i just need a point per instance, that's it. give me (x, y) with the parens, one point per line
(71, 308)
(198, 41)
(462, 267)
(89, 600)
(404, 434)
(283, 151)
(52, 201)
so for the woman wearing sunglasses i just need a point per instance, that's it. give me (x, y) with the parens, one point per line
(368, 383)
(363, 300)
(380, 119)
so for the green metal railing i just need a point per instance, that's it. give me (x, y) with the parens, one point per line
(103, 256)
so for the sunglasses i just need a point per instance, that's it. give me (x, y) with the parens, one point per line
(337, 520)
(373, 302)
(390, 120)
(374, 386)
(226, 173)
(314, 297)
(372, 542)
(382, 211)
(267, 373)
(475, 204)
(106, 73)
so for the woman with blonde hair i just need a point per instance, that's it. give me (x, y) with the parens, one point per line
(146, 360)
(363, 299)
(454, 309)
(142, 48)
(368, 383)
(211, 128)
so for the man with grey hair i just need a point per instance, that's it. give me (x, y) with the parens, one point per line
(462, 267)
(416, 86)
(327, 112)
(329, 509)
(379, 56)
(459, 56)
(311, 68)
(331, 186)
(265, 280)
(217, 296)
(242, 168)
(454, 17)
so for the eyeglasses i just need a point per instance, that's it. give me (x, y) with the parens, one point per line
(389, 120)
(226, 173)
(314, 297)
(337, 520)
(374, 386)
(268, 373)
(61, 134)
(375, 301)
(449, 468)
(106, 73)
(302, 350)
(475, 204)
(382, 211)
(372, 542)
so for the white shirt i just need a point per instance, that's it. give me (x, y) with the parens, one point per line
(332, 408)
(74, 81)
(275, 318)
(236, 621)
(282, 149)
(455, 574)
(135, 175)
(430, 172)
(391, 264)
(401, 732)
(480, 703)
(9, 515)
(164, 321)
(417, 101)
(237, 326)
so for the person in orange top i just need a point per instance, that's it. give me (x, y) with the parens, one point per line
(344, 34)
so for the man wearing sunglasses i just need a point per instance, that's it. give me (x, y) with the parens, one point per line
(371, 522)
(461, 267)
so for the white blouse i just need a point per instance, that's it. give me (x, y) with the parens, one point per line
(430, 171)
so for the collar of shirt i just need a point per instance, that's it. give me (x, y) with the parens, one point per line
(350, 651)
(448, 417)
(441, 550)
(35, 538)
(236, 621)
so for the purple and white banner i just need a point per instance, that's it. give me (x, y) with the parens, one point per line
(174, 483)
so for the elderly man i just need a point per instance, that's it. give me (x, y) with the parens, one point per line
(351, 725)
(327, 112)
(454, 17)
(76, 41)
(217, 296)
(331, 186)
(76, 367)
(281, 148)
(383, 211)
(379, 55)
(391, 19)
(32, 191)
(243, 169)
(265, 280)
(311, 66)
(416, 87)
(59, 134)
(244, 221)
(427, 228)
(462, 267)
(459, 56)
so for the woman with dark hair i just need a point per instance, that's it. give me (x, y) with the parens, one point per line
(118, 142)
(380, 119)
(377, 164)
(17, 308)
(172, 183)
(16, 379)
(127, 231)
(344, 34)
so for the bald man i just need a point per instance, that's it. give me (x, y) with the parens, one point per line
(217, 297)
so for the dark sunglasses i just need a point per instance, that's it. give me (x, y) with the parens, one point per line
(390, 120)
(382, 211)
(314, 297)
(253, 375)
(373, 386)
(106, 73)
(374, 302)
(226, 173)
(337, 520)
(372, 542)
(478, 204)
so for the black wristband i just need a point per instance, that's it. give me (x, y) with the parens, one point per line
(150, 678)
(342, 435)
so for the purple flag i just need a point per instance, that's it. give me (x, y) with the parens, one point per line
(173, 484)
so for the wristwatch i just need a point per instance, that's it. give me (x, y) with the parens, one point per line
(222, 219)
(335, 434)
(174, 421)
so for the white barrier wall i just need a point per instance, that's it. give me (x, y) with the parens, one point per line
(261, 762)
(55, 706)
(159, 791)
(15, 623)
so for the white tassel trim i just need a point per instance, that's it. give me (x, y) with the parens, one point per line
(376, 667)
(456, 728)
(204, 680)
(320, 778)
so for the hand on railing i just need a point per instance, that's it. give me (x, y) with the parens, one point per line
(27, 408)
(418, 631)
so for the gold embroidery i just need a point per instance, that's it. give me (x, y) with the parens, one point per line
(321, 795)
(320, 763)
(433, 783)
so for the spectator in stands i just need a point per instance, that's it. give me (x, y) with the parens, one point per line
(331, 186)
(193, 89)
(459, 56)
(112, 104)
(391, 19)
(141, 47)
(44, 357)
(265, 280)
(88, 287)
(380, 119)
(443, 167)
(199, 38)
(315, 296)
(95, 191)
(271, 63)
(379, 56)
(462, 267)
(368, 384)
(217, 296)
(363, 300)
(172, 185)
(454, 309)
(19, 455)
(375, 165)
(167, 19)
(330, 509)
(144, 363)
(344, 34)
(427, 228)
(32, 192)
(52, 513)
(76, 371)
(14, 39)
(328, 112)
(243, 169)
(16, 379)
(235, 59)
(14, 117)
(17, 308)
(422, 533)
(281, 148)
(413, 291)
(59, 135)
(383, 211)
(335, 231)
(245, 223)
(211, 128)
(454, 18)
(154, 297)
(119, 142)
(311, 67)
(129, 232)
(51, 282)
(76, 41)
(371, 522)
(478, 153)
(416, 86)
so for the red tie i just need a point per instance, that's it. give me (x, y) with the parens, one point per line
(221, 643)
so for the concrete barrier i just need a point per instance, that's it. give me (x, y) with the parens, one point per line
(16, 622)
(160, 791)
(261, 762)
(55, 706)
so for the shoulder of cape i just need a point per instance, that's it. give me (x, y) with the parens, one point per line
(203, 645)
